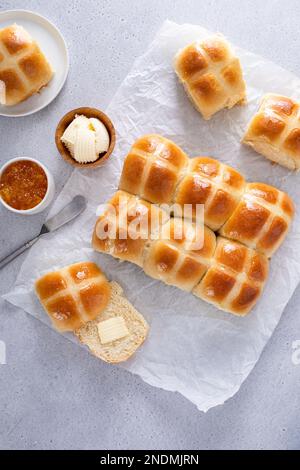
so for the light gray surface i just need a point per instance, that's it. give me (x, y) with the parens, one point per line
(80, 402)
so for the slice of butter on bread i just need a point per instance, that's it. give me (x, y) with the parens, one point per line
(116, 334)
(112, 329)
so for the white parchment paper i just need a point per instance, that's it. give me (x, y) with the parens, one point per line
(193, 348)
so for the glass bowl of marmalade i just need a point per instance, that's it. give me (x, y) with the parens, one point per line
(26, 186)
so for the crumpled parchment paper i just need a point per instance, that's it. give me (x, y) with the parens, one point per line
(193, 348)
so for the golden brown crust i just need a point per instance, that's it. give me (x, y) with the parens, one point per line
(191, 62)
(217, 186)
(23, 67)
(283, 105)
(287, 205)
(190, 269)
(232, 74)
(160, 172)
(152, 168)
(232, 255)
(256, 214)
(15, 39)
(221, 207)
(273, 235)
(13, 84)
(49, 285)
(123, 229)
(73, 295)
(182, 254)
(244, 216)
(216, 285)
(160, 184)
(124, 233)
(292, 142)
(235, 279)
(206, 166)
(211, 75)
(216, 48)
(193, 190)
(121, 349)
(64, 313)
(208, 91)
(94, 297)
(35, 68)
(83, 271)
(261, 219)
(264, 191)
(246, 297)
(257, 268)
(132, 173)
(267, 126)
(274, 130)
(246, 222)
(164, 257)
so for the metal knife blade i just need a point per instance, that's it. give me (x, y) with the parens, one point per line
(67, 213)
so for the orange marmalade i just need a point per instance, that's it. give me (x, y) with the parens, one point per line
(23, 184)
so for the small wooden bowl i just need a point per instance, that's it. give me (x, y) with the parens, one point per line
(88, 112)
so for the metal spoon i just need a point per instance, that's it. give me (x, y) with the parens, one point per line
(68, 213)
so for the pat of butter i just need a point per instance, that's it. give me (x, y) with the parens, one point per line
(84, 147)
(112, 329)
(70, 134)
(101, 135)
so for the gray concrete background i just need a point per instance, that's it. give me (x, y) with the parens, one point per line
(81, 402)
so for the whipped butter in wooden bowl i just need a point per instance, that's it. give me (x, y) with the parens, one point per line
(85, 137)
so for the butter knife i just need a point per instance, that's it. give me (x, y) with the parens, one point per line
(67, 213)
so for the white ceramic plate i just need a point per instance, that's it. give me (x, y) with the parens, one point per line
(54, 47)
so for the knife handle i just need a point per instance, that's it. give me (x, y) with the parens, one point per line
(17, 252)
